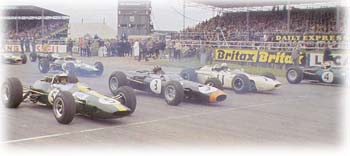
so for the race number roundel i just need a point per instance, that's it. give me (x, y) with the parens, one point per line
(327, 77)
(52, 95)
(156, 86)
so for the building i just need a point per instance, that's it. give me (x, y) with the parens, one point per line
(134, 18)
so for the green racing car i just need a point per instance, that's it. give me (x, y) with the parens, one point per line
(67, 97)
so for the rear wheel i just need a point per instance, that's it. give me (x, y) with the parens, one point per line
(99, 66)
(12, 92)
(24, 58)
(116, 80)
(294, 75)
(173, 93)
(241, 83)
(127, 97)
(189, 74)
(44, 65)
(214, 82)
(32, 57)
(64, 107)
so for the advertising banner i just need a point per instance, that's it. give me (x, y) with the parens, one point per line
(340, 60)
(38, 48)
(242, 55)
(313, 37)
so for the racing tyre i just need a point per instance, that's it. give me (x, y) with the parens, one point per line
(24, 58)
(70, 68)
(269, 75)
(189, 74)
(99, 66)
(64, 107)
(116, 80)
(44, 65)
(240, 83)
(173, 93)
(214, 82)
(294, 75)
(32, 57)
(12, 92)
(127, 97)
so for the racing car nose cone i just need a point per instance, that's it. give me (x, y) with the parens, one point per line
(217, 96)
(221, 98)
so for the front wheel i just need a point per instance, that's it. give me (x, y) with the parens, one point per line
(12, 92)
(173, 93)
(64, 107)
(126, 96)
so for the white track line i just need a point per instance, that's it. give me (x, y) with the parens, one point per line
(131, 124)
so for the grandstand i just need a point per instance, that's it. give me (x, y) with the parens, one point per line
(268, 20)
(33, 21)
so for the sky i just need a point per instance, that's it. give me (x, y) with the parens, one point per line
(166, 14)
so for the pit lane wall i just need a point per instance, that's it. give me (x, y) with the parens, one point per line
(38, 48)
(275, 59)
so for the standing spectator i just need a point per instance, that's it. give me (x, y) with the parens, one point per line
(88, 47)
(156, 48)
(136, 49)
(128, 48)
(33, 44)
(70, 47)
(149, 46)
(22, 44)
(27, 44)
(203, 54)
(162, 46)
(178, 50)
(81, 46)
(171, 50)
(295, 55)
(327, 57)
(210, 54)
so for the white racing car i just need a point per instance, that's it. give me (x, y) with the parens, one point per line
(222, 77)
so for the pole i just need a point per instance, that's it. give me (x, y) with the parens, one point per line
(288, 18)
(42, 23)
(337, 18)
(247, 21)
(184, 14)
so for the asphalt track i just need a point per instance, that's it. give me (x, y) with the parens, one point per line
(295, 115)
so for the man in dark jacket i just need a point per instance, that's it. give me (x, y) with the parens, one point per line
(327, 54)
(22, 44)
(27, 44)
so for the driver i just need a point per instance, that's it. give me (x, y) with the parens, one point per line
(224, 67)
(327, 65)
(158, 70)
(63, 79)
(217, 67)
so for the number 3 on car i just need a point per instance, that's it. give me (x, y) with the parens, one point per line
(156, 86)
